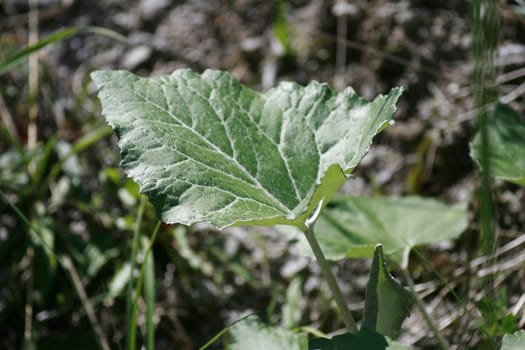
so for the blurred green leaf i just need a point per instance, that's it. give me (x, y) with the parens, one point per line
(387, 303)
(180, 233)
(519, 9)
(363, 340)
(291, 312)
(514, 341)
(43, 239)
(68, 161)
(59, 193)
(43, 161)
(496, 319)
(98, 253)
(13, 174)
(252, 334)
(113, 175)
(119, 281)
(67, 152)
(128, 199)
(506, 133)
(352, 226)
(281, 26)
(45, 262)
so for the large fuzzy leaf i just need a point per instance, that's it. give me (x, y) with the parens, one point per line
(350, 227)
(206, 148)
(506, 133)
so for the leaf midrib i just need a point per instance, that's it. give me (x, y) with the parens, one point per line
(190, 159)
(259, 129)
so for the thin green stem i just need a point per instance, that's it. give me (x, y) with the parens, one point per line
(420, 304)
(131, 323)
(149, 292)
(138, 292)
(330, 279)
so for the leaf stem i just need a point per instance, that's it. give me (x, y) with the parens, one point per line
(330, 279)
(421, 306)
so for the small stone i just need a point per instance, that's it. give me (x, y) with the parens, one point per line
(153, 8)
(136, 56)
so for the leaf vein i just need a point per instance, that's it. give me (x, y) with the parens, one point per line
(214, 147)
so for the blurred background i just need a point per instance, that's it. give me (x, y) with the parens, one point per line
(68, 213)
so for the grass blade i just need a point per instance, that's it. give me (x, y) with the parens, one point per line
(149, 296)
(130, 320)
(43, 162)
(18, 57)
(138, 290)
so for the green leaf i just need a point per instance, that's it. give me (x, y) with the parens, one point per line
(251, 334)
(352, 226)
(364, 339)
(506, 134)
(206, 148)
(387, 303)
(514, 341)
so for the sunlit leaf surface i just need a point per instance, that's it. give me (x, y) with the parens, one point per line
(206, 148)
